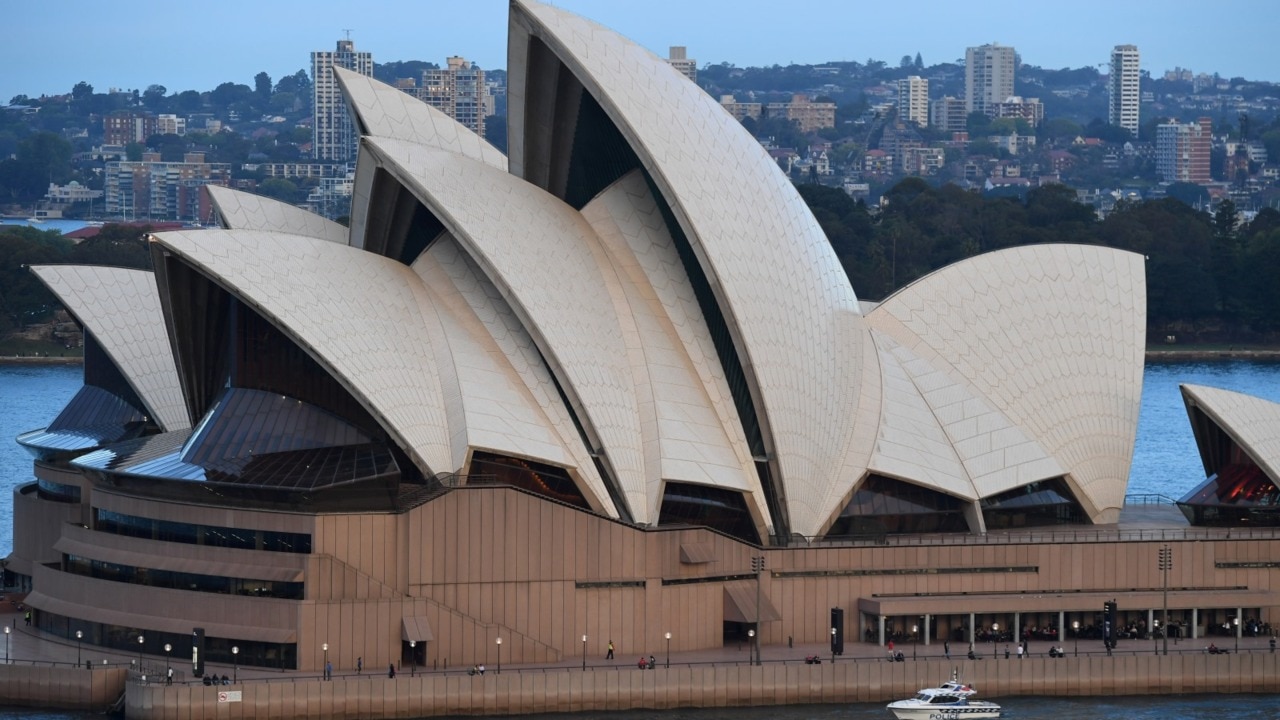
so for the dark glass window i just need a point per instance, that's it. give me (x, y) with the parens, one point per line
(1047, 502)
(883, 506)
(57, 492)
(253, 653)
(716, 508)
(1239, 493)
(540, 478)
(213, 536)
(169, 579)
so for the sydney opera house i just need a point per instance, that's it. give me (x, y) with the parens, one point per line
(611, 387)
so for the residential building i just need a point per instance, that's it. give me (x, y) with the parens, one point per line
(913, 100)
(171, 125)
(949, 114)
(988, 76)
(1030, 109)
(1123, 88)
(1013, 143)
(128, 126)
(677, 57)
(922, 161)
(298, 169)
(1182, 151)
(332, 137)
(151, 189)
(70, 193)
(458, 90)
(806, 114)
(740, 110)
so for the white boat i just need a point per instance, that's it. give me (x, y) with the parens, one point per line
(952, 700)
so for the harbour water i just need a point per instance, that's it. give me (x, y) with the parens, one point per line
(1165, 463)
(62, 226)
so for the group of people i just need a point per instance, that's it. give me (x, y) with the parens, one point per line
(647, 664)
(476, 669)
(211, 680)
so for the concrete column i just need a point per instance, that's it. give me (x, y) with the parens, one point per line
(971, 633)
(926, 629)
(882, 630)
(1195, 623)
(1062, 627)
(1239, 623)
(1015, 632)
(1151, 618)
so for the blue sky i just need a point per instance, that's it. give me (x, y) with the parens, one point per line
(50, 46)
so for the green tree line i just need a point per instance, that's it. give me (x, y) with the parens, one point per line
(1210, 278)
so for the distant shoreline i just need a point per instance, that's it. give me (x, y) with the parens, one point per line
(40, 360)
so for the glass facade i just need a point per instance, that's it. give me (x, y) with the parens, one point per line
(210, 535)
(884, 506)
(716, 508)
(192, 582)
(1047, 502)
(253, 653)
(57, 492)
(539, 478)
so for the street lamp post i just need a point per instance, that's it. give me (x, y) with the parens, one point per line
(1075, 630)
(833, 646)
(751, 643)
(168, 648)
(413, 657)
(915, 638)
(1235, 625)
(79, 637)
(498, 642)
(235, 664)
(995, 630)
(668, 649)
(141, 640)
(584, 653)
(1166, 564)
(325, 670)
(6, 645)
(1155, 637)
(757, 564)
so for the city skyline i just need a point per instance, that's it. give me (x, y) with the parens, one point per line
(748, 33)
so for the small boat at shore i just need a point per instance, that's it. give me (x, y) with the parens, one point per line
(949, 701)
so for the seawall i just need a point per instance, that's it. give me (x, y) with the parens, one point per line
(61, 687)
(373, 697)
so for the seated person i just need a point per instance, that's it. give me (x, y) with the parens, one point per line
(642, 663)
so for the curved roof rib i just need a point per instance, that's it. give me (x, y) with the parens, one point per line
(1051, 338)
(538, 252)
(357, 314)
(795, 320)
(506, 400)
(121, 307)
(246, 211)
(1252, 422)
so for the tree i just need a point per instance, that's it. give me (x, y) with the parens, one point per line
(906, 62)
(82, 91)
(262, 88)
(919, 62)
(153, 96)
(228, 93)
(1225, 254)
(189, 101)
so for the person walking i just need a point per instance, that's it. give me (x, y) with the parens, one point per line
(1019, 651)
(391, 670)
(168, 676)
(946, 648)
(359, 664)
(328, 670)
(609, 655)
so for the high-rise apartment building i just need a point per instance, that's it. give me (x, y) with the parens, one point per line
(913, 100)
(677, 57)
(1182, 151)
(331, 134)
(1122, 109)
(458, 90)
(949, 114)
(988, 76)
(127, 126)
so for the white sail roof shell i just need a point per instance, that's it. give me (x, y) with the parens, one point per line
(246, 211)
(1252, 422)
(121, 307)
(795, 319)
(1041, 351)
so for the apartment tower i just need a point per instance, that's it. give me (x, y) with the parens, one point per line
(331, 135)
(457, 90)
(988, 77)
(1182, 151)
(677, 57)
(913, 100)
(1122, 109)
